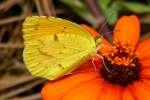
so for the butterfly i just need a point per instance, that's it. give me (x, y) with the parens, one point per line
(55, 46)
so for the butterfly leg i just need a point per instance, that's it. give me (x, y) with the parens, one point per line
(95, 69)
(103, 62)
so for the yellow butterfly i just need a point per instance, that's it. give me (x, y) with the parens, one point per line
(54, 46)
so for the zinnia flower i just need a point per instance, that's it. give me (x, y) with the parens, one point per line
(127, 76)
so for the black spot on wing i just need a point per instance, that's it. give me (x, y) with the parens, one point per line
(55, 37)
(60, 65)
(41, 42)
(36, 26)
(64, 47)
(45, 54)
(64, 29)
(60, 52)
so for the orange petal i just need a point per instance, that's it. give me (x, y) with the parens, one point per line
(93, 32)
(127, 95)
(127, 30)
(146, 81)
(86, 91)
(145, 73)
(105, 44)
(140, 90)
(111, 92)
(143, 49)
(55, 90)
(145, 63)
(86, 67)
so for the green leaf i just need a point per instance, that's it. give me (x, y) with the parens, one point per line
(109, 11)
(111, 16)
(103, 3)
(135, 7)
(80, 8)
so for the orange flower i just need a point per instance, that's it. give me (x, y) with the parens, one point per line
(127, 60)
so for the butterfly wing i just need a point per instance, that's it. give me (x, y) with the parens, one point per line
(54, 46)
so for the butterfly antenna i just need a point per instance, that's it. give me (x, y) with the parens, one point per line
(113, 31)
(103, 62)
(103, 25)
(105, 21)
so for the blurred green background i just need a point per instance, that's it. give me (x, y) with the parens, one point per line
(16, 83)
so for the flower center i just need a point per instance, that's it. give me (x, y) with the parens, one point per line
(122, 64)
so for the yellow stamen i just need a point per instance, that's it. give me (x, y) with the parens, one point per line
(120, 54)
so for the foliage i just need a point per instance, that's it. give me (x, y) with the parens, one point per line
(111, 9)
